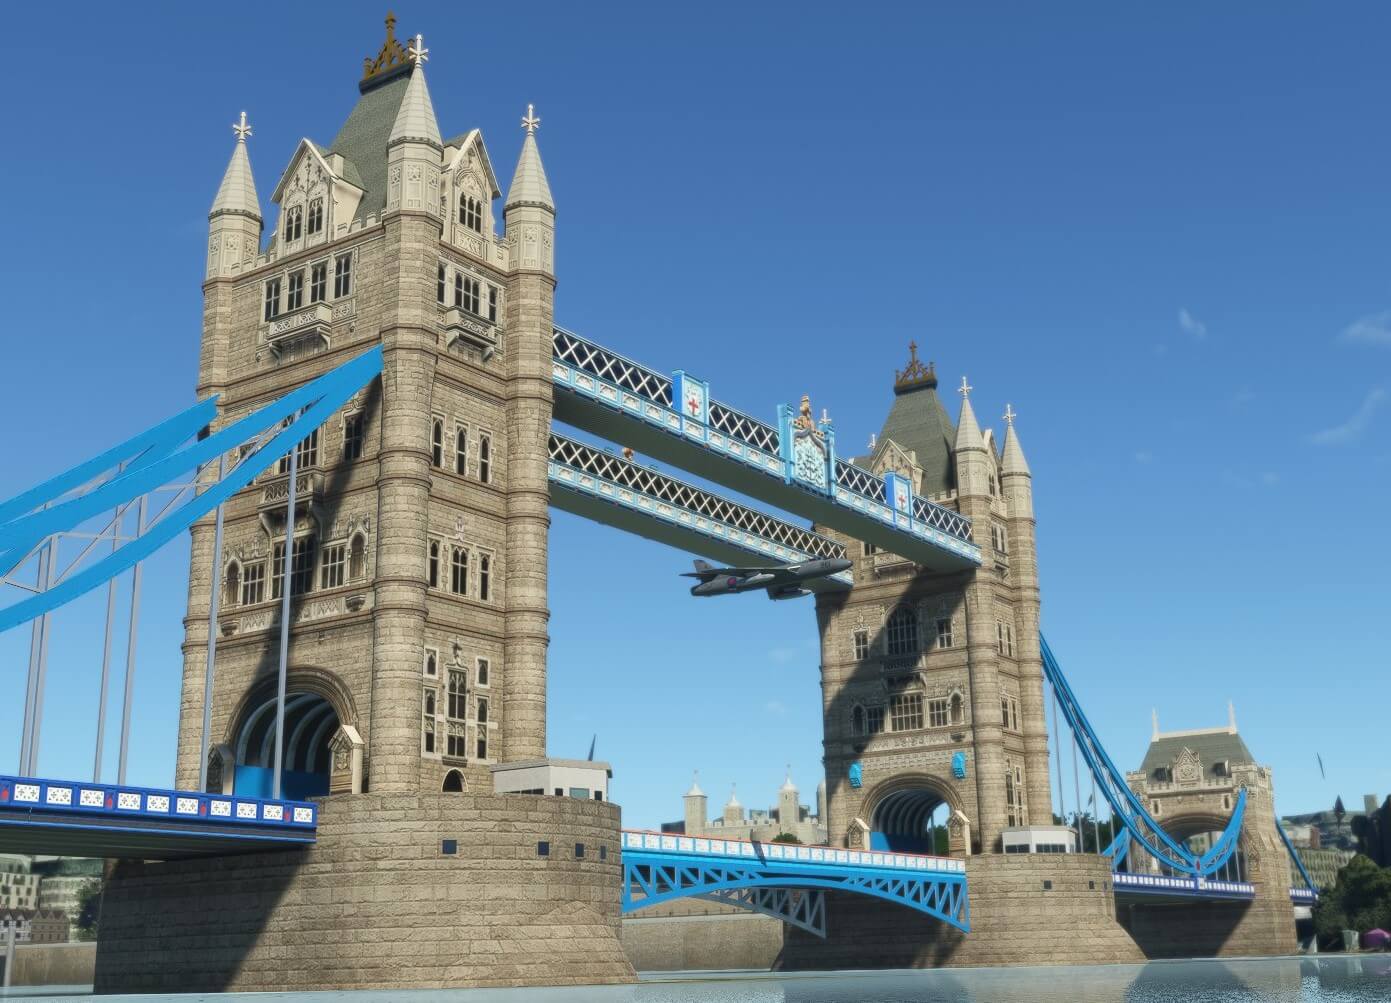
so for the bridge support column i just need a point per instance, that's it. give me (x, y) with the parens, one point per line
(530, 322)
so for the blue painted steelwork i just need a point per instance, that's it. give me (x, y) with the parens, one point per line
(958, 765)
(1185, 887)
(1298, 861)
(158, 463)
(593, 483)
(91, 804)
(660, 867)
(804, 908)
(1125, 806)
(1303, 896)
(792, 466)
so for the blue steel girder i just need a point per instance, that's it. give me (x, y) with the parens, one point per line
(792, 466)
(794, 906)
(598, 485)
(151, 461)
(652, 875)
(1138, 822)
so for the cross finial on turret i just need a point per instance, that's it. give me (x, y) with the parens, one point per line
(417, 53)
(1010, 415)
(241, 128)
(965, 389)
(530, 122)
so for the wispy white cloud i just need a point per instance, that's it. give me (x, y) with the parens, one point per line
(1373, 329)
(1191, 325)
(1349, 430)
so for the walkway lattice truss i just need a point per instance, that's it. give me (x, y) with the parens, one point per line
(744, 874)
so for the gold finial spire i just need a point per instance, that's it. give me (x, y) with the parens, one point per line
(242, 129)
(391, 59)
(530, 122)
(915, 374)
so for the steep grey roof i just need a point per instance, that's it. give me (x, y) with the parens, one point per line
(1211, 746)
(919, 422)
(529, 184)
(415, 118)
(362, 141)
(237, 193)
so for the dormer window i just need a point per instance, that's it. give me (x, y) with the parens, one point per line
(471, 213)
(294, 222)
(316, 216)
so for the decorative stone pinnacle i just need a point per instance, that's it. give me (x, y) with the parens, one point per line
(1010, 415)
(417, 53)
(915, 374)
(965, 389)
(242, 129)
(529, 121)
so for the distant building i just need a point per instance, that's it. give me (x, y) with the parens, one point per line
(1333, 832)
(790, 817)
(34, 926)
(19, 886)
(62, 880)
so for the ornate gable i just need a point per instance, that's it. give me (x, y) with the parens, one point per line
(890, 457)
(1188, 768)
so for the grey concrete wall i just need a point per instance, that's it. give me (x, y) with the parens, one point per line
(53, 964)
(377, 904)
(702, 943)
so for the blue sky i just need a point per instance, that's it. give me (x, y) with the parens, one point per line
(1160, 232)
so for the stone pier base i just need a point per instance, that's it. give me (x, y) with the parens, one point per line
(380, 902)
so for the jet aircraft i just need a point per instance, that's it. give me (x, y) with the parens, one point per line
(784, 581)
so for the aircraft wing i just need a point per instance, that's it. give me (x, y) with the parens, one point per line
(707, 573)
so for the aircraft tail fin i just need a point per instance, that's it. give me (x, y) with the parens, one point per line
(703, 565)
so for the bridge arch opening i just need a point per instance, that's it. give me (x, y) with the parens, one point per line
(1199, 833)
(911, 816)
(310, 724)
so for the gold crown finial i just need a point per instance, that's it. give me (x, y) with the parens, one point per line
(391, 57)
(915, 374)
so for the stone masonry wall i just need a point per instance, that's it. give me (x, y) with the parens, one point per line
(1015, 920)
(376, 903)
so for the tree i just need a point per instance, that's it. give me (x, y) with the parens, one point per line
(88, 909)
(1361, 900)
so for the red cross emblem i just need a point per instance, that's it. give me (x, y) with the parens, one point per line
(108, 801)
(5, 793)
(693, 403)
(202, 807)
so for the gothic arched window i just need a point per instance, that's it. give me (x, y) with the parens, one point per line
(857, 720)
(958, 709)
(294, 222)
(231, 592)
(470, 212)
(453, 782)
(316, 216)
(437, 443)
(357, 558)
(902, 630)
(434, 564)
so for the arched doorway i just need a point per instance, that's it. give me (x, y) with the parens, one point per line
(310, 723)
(910, 815)
(453, 782)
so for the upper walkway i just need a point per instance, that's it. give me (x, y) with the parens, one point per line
(792, 466)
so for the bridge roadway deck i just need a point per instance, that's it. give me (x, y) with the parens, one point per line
(792, 466)
(594, 483)
(114, 820)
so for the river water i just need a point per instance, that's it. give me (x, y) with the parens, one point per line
(1327, 979)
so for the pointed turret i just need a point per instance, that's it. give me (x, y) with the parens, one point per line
(695, 803)
(733, 810)
(234, 223)
(415, 119)
(967, 428)
(788, 785)
(529, 185)
(1013, 461)
(238, 190)
(414, 147)
(529, 211)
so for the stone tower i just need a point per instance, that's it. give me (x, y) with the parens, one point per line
(932, 683)
(419, 614)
